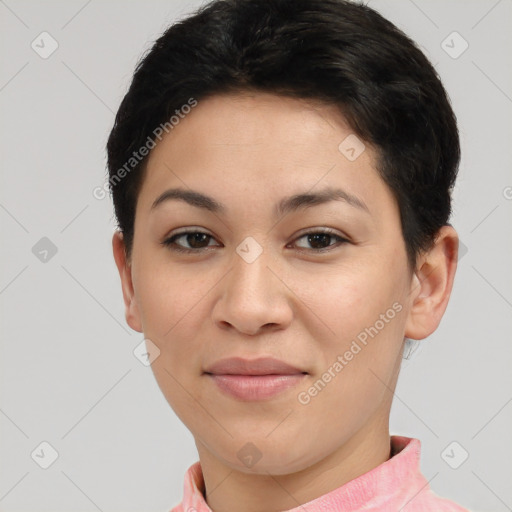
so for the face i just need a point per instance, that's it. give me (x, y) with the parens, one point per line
(320, 282)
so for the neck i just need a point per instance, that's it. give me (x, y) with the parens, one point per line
(228, 489)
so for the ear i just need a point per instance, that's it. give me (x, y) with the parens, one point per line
(125, 271)
(432, 284)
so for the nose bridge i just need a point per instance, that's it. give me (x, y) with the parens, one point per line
(252, 296)
(251, 277)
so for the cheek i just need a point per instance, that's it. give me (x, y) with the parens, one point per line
(165, 296)
(366, 314)
(171, 305)
(354, 299)
(171, 308)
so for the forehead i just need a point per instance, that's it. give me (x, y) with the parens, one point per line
(261, 145)
(238, 119)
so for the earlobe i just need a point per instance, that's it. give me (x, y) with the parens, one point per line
(432, 284)
(125, 272)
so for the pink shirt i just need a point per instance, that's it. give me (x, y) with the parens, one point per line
(396, 485)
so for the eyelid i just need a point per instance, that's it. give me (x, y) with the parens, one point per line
(320, 230)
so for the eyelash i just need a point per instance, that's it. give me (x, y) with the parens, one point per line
(170, 242)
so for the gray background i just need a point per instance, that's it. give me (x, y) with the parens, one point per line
(68, 373)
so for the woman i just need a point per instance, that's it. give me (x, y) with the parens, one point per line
(281, 174)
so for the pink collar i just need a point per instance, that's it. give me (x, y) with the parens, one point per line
(395, 485)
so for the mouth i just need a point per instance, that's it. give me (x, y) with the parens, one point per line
(251, 380)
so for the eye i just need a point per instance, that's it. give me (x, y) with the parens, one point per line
(196, 240)
(320, 240)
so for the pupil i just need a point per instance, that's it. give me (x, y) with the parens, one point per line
(195, 239)
(315, 238)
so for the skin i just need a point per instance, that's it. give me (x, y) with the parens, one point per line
(248, 151)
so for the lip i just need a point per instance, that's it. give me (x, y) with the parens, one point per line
(260, 366)
(255, 387)
(256, 379)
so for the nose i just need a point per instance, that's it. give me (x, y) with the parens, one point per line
(253, 297)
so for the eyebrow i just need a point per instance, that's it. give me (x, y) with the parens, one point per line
(286, 205)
